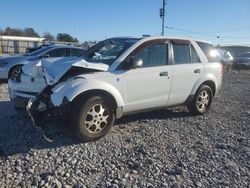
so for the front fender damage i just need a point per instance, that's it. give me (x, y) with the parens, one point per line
(41, 110)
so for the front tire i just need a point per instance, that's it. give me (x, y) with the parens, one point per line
(92, 118)
(15, 72)
(202, 101)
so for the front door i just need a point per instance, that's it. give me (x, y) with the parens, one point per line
(148, 87)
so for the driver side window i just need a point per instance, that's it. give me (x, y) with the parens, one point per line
(153, 55)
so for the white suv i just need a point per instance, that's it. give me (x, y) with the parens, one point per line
(120, 76)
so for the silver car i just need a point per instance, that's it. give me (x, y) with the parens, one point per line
(121, 76)
(10, 66)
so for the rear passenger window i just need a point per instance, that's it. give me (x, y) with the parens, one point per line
(154, 55)
(182, 54)
(194, 56)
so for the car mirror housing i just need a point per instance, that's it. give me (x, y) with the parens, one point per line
(135, 63)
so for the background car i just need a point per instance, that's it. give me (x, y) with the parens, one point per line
(226, 59)
(29, 50)
(242, 62)
(11, 66)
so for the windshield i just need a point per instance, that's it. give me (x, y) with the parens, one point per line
(40, 51)
(109, 50)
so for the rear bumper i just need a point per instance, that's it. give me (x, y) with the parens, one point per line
(217, 90)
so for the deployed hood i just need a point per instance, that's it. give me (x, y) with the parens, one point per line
(54, 68)
(36, 67)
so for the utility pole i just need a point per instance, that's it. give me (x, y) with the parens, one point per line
(162, 15)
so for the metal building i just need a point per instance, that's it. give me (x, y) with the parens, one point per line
(17, 45)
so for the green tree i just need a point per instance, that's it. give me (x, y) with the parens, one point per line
(30, 32)
(13, 32)
(65, 37)
(48, 36)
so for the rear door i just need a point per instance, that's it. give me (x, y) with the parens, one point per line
(187, 70)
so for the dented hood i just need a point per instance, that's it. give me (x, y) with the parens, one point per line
(55, 69)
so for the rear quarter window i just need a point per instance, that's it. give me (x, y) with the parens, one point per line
(210, 51)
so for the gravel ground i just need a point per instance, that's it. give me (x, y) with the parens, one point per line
(166, 148)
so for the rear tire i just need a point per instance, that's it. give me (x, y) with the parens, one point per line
(92, 118)
(202, 101)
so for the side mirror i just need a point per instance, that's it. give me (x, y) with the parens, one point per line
(134, 63)
(44, 56)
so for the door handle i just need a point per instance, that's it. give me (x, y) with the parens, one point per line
(197, 71)
(164, 74)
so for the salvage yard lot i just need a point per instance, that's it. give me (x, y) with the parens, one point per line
(158, 149)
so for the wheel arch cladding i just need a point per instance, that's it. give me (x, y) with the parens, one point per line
(96, 92)
(209, 80)
(211, 84)
(80, 87)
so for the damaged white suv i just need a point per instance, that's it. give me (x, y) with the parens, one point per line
(119, 76)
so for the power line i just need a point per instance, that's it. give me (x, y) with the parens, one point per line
(221, 38)
(193, 32)
(207, 34)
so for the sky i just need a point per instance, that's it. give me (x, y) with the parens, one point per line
(100, 19)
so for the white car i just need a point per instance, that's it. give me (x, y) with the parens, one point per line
(10, 66)
(120, 76)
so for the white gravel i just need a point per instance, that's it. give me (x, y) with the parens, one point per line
(167, 148)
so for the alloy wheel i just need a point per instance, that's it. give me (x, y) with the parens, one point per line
(16, 73)
(203, 101)
(97, 118)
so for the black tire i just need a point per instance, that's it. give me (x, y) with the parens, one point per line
(89, 128)
(202, 101)
(14, 72)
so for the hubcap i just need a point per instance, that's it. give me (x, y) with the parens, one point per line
(96, 118)
(203, 101)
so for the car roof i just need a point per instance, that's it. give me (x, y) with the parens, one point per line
(176, 38)
(148, 38)
(63, 46)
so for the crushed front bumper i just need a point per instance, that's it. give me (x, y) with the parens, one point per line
(41, 109)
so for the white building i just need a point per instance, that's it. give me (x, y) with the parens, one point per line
(16, 44)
